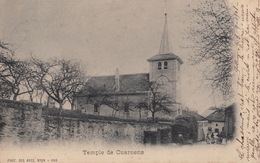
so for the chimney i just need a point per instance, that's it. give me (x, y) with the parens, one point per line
(117, 80)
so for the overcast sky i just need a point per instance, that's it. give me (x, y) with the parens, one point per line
(105, 35)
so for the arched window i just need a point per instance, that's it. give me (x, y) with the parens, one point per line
(165, 65)
(126, 107)
(159, 65)
(95, 108)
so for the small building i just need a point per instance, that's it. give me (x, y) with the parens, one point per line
(216, 121)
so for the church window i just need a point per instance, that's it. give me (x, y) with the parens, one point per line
(165, 65)
(95, 108)
(126, 107)
(159, 65)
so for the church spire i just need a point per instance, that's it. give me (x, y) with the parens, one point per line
(165, 46)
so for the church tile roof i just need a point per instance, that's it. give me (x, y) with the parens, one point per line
(129, 83)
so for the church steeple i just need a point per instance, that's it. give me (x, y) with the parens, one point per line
(165, 51)
(165, 46)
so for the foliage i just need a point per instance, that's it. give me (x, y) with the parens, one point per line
(187, 126)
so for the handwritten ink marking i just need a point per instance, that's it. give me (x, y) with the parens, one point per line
(247, 67)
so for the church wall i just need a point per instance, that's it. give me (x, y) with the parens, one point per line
(105, 110)
(178, 83)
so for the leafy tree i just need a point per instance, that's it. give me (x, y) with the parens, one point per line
(211, 33)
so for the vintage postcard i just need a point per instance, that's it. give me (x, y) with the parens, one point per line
(129, 81)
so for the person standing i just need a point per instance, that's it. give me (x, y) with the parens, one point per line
(212, 138)
(208, 138)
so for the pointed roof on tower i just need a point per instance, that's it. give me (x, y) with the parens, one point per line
(165, 51)
(165, 46)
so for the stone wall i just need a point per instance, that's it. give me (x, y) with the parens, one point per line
(23, 122)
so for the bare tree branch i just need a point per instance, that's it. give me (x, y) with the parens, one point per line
(212, 35)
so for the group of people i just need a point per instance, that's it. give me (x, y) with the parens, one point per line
(213, 138)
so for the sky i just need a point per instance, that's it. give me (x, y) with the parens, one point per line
(105, 35)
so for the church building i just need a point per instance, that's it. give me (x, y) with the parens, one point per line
(119, 95)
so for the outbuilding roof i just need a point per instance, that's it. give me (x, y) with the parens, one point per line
(197, 116)
(217, 116)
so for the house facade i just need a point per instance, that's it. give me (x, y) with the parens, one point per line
(216, 122)
(118, 95)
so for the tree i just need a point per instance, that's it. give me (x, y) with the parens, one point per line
(59, 78)
(185, 125)
(5, 54)
(13, 74)
(211, 34)
(157, 100)
(5, 90)
(141, 106)
(101, 95)
(31, 83)
(16, 77)
(5, 51)
(96, 95)
(77, 81)
(118, 104)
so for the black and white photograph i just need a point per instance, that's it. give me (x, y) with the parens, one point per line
(129, 81)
